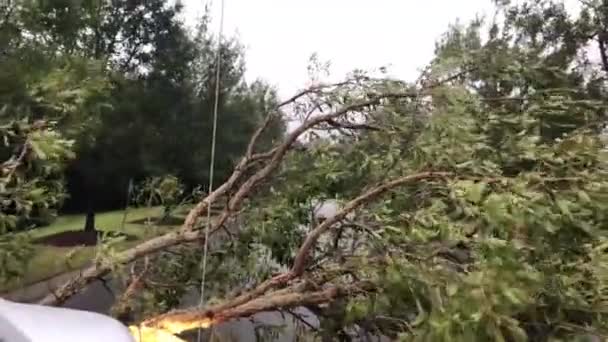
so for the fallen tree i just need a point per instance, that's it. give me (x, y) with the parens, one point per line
(191, 230)
(473, 207)
(450, 182)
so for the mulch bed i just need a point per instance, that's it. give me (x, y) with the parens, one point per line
(167, 221)
(77, 238)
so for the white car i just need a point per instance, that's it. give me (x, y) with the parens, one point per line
(36, 323)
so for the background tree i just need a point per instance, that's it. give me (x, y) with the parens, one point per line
(162, 79)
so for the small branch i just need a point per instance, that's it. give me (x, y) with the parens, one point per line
(360, 226)
(10, 166)
(349, 125)
(123, 305)
(105, 285)
(310, 90)
(258, 133)
(301, 319)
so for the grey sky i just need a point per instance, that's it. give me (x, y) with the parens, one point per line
(280, 35)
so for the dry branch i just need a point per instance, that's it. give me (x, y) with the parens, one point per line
(124, 304)
(179, 321)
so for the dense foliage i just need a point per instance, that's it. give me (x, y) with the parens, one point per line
(31, 186)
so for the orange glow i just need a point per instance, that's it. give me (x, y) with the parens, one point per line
(149, 334)
(178, 326)
(165, 330)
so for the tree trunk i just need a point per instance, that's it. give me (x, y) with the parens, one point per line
(89, 224)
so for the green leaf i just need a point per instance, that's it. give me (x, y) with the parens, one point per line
(421, 316)
(517, 333)
(475, 192)
(583, 196)
(36, 194)
(36, 148)
(452, 289)
(564, 207)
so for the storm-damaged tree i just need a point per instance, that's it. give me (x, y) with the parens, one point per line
(473, 201)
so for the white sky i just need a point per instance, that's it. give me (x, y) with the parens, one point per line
(281, 35)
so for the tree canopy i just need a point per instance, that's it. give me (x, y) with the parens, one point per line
(141, 90)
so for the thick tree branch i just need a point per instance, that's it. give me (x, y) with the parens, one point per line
(299, 264)
(179, 321)
(93, 272)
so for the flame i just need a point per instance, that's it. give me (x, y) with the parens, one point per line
(150, 334)
(165, 330)
(176, 326)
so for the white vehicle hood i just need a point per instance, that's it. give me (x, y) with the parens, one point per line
(36, 323)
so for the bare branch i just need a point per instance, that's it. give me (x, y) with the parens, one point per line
(348, 125)
(123, 305)
(301, 319)
(310, 90)
(10, 166)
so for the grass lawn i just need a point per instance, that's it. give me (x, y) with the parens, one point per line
(49, 261)
(107, 221)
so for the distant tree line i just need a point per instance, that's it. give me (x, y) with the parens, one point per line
(133, 86)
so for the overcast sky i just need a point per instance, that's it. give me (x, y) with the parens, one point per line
(280, 35)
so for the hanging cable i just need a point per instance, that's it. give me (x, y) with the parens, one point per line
(218, 65)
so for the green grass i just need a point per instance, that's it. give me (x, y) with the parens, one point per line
(107, 221)
(49, 261)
